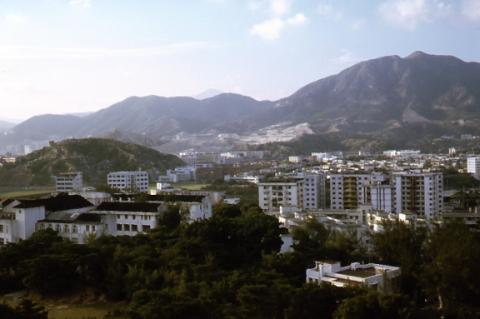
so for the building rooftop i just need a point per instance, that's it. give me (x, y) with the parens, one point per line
(68, 218)
(129, 207)
(359, 272)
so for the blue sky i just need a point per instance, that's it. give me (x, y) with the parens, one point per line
(64, 56)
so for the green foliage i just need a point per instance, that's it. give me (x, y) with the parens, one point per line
(94, 157)
(229, 266)
(25, 310)
(455, 180)
(374, 305)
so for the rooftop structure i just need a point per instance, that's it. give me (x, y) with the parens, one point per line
(368, 275)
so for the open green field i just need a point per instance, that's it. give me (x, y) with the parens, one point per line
(190, 186)
(22, 193)
(61, 310)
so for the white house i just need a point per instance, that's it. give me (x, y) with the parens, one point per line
(18, 219)
(376, 276)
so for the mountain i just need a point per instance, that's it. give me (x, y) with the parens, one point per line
(4, 125)
(154, 116)
(207, 94)
(93, 156)
(385, 102)
(388, 93)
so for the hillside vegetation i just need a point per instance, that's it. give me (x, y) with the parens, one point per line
(93, 156)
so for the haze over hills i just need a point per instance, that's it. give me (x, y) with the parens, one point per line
(93, 156)
(389, 101)
(4, 125)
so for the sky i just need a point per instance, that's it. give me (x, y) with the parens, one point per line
(74, 56)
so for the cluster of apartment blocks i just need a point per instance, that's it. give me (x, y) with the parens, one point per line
(415, 192)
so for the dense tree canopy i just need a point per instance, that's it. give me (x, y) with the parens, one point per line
(229, 266)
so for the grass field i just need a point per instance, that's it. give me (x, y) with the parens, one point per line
(60, 310)
(4, 193)
(190, 186)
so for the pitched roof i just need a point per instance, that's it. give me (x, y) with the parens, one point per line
(171, 198)
(128, 207)
(60, 202)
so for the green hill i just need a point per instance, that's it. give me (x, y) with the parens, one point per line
(94, 157)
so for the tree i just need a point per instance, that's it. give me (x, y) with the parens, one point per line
(451, 270)
(372, 304)
(402, 245)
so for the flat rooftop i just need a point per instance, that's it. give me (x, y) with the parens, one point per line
(361, 272)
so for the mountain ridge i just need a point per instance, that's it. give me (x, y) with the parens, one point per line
(377, 97)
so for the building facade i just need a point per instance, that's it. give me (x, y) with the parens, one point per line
(129, 181)
(473, 166)
(371, 275)
(68, 182)
(349, 191)
(419, 193)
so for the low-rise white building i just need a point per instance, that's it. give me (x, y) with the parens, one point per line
(129, 181)
(376, 276)
(198, 206)
(68, 182)
(18, 219)
(129, 218)
(76, 227)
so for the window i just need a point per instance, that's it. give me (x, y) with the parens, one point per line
(119, 227)
(1, 228)
(134, 228)
(127, 227)
(88, 227)
(74, 229)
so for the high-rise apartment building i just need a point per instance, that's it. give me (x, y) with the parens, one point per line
(349, 191)
(304, 191)
(418, 192)
(473, 166)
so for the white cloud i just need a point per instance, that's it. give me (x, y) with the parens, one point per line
(81, 3)
(471, 9)
(269, 29)
(15, 19)
(408, 14)
(272, 29)
(297, 19)
(280, 7)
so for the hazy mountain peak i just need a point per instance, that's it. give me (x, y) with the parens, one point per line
(417, 54)
(207, 94)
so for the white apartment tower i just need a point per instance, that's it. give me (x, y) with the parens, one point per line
(68, 182)
(130, 181)
(419, 193)
(382, 197)
(349, 191)
(304, 191)
(285, 193)
(473, 166)
(314, 191)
